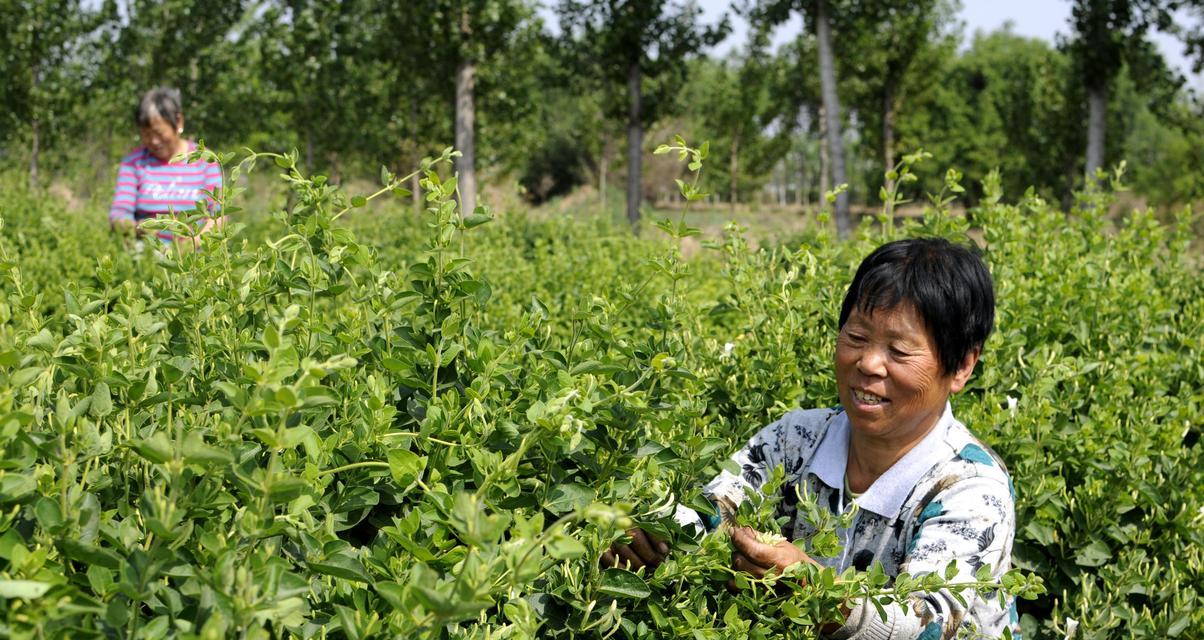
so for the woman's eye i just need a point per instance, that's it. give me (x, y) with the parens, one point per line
(898, 352)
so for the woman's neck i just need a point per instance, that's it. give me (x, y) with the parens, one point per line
(181, 147)
(870, 457)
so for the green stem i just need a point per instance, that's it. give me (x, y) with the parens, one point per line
(354, 465)
(383, 190)
(412, 434)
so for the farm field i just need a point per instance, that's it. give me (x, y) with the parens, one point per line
(331, 422)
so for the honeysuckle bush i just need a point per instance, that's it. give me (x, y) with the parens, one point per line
(337, 424)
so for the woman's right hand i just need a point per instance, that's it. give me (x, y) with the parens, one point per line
(643, 551)
(124, 226)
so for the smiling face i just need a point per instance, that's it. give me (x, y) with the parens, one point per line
(889, 376)
(162, 138)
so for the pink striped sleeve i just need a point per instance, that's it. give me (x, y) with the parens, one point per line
(213, 182)
(126, 192)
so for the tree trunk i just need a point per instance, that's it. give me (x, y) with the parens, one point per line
(888, 132)
(465, 123)
(465, 141)
(734, 168)
(827, 78)
(603, 164)
(824, 164)
(1097, 121)
(804, 191)
(33, 156)
(35, 142)
(414, 157)
(309, 151)
(635, 145)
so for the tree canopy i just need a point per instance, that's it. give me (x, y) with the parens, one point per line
(358, 84)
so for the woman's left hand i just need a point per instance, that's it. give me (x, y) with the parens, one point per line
(755, 557)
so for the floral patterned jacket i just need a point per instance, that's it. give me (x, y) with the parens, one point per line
(948, 498)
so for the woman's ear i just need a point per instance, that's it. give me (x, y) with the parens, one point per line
(180, 123)
(962, 375)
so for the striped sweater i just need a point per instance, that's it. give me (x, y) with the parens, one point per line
(148, 187)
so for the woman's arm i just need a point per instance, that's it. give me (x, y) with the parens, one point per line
(791, 436)
(212, 189)
(972, 522)
(789, 442)
(121, 212)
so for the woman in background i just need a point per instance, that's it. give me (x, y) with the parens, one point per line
(153, 179)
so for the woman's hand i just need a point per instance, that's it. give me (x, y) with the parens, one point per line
(210, 225)
(124, 226)
(755, 558)
(644, 551)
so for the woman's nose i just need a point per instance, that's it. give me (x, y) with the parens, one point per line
(871, 363)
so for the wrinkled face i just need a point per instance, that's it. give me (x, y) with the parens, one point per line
(161, 137)
(889, 374)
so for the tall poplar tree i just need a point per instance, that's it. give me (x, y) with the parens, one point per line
(1108, 35)
(44, 64)
(644, 45)
(818, 15)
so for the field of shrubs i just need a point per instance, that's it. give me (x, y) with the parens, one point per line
(354, 420)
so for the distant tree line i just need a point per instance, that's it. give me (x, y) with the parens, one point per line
(558, 99)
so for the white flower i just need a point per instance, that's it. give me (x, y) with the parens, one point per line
(1012, 402)
(727, 349)
(1072, 626)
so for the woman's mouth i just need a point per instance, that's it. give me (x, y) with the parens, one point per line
(868, 399)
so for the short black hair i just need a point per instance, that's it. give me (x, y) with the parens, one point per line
(948, 284)
(160, 102)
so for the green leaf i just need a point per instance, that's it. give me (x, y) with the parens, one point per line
(102, 401)
(392, 592)
(342, 566)
(10, 358)
(1040, 532)
(567, 497)
(195, 451)
(476, 219)
(25, 376)
(15, 486)
(48, 513)
(623, 584)
(90, 555)
(358, 201)
(42, 340)
(565, 547)
(155, 448)
(405, 466)
(24, 589)
(1093, 555)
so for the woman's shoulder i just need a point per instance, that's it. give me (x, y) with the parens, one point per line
(816, 418)
(969, 449)
(796, 435)
(969, 468)
(809, 424)
(135, 156)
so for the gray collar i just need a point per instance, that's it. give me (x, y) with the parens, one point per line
(885, 497)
